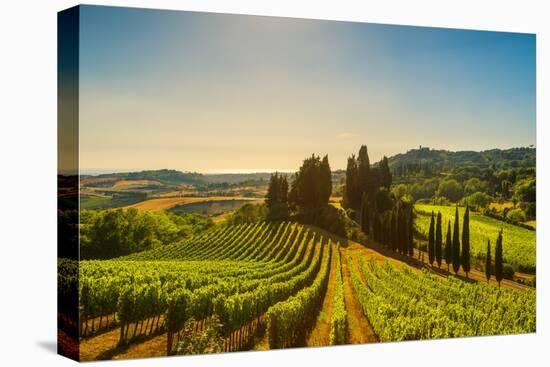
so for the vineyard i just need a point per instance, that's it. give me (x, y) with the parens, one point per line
(264, 286)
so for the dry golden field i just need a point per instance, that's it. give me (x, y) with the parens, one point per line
(167, 203)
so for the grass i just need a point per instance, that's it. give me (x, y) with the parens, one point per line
(519, 244)
(109, 202)
(532, 223)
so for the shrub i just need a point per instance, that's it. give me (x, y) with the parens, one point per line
(516, 215)
(477, 200)
(327, 217)
(451, 189)
(439, 200)
(249, 213)
(508, 272)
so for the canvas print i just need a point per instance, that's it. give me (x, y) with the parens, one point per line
(245, 183)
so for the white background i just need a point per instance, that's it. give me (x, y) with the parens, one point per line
(28, 181)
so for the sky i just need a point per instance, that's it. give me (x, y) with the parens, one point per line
(212, 92)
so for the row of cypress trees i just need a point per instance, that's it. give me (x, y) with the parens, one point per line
(393, 228)
(456, 255)
(453, 254)
(498, 267)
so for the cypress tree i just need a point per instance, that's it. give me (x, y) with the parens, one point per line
(365, 220)
(363, 170)
(438, 240)
(326, 180)
(352, 194)
(277, 197)
(400, 229)
(385, 174)
(456, 244)
(499, 274)
(431, 241)
(466, 241)
(488, 261)
(393, 234)
(273, 190)
(448, 247)
(410, 239)
(405, 229)
(395, 230)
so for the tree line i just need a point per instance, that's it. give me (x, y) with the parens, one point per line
(457, 250)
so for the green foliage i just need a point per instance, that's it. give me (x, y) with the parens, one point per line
(450, 189)
(243, 270)
(352, 188)
(277, 198)
(516, 215)
(425, 189)
(328, 217)
(116, 200)
(339, 321)
(456, 243)
(385, 174)
(448, 245)
(477, 200)
(418, 161)
(365, 214)
(399, 191)
(431, 240)
(112, 233)
(438, 240)
(441, 200)
(499, 259)
(312, 185)
(525, 190)
(288, 321)
(249, 213)
(488, 262)
(362, 180)
(520, 249)
(366, 184)
(498, 174)
(208, 340)
(508, 272)
(474, 185)
(402, 305)
(465, 257)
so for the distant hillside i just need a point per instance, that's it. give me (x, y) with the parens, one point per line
(162, 175)
(170, 176)
(442, 160)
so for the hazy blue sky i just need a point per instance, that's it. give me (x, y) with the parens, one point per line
(212, 92)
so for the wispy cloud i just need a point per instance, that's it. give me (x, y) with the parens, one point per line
(345, 135)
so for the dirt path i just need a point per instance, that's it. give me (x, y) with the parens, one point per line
(359, 329)
(94, 347)
(104, 346)
(155, 347)
(320, 335)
